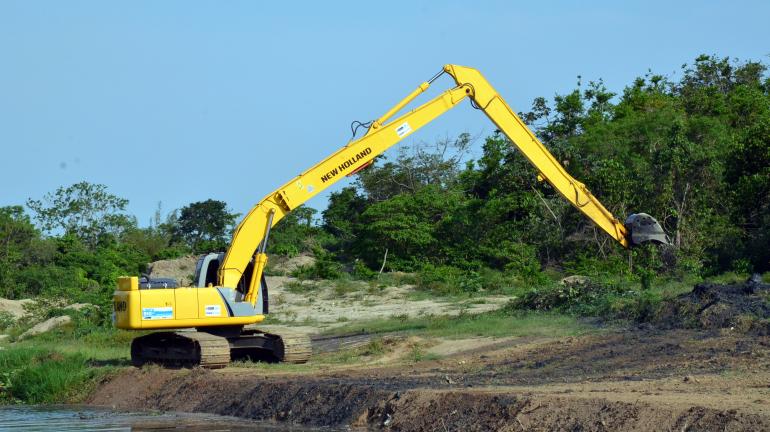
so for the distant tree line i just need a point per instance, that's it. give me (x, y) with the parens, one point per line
(79, 239)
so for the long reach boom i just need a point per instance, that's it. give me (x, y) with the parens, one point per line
(252, 233)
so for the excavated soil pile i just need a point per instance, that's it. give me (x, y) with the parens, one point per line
(741, 307)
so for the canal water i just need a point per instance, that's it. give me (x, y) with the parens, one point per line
(50, 418)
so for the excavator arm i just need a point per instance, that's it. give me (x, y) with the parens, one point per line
(252, 233)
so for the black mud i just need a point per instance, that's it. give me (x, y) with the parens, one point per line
(741, 307)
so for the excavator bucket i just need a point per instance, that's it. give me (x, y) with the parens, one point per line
(643, 228)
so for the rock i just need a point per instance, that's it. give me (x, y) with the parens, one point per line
(180, 269)
(46, 326)
(575, 280)
(15, 307)
(79, 306)
(3, 337)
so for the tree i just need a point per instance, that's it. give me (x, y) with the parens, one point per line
(16, 237)
(748, 170)
(341, 217)
(294, 233)
(205, 226)
(415, 167)
(85, 210)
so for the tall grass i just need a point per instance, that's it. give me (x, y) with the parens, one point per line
(35, 375)
(491, 324)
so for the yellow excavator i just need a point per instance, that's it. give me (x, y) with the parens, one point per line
(230, 292)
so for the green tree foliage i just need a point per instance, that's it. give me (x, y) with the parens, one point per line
(342, 217)
(748, 171)
(19, 240)
(84, 209)
(157, 240)
(205, 226)
(295, 233)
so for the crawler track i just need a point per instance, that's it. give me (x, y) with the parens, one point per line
(210, 351)
(294, 347)
(181, 349)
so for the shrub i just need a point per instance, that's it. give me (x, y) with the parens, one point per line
(6, 320)
(362, 271)
(589, 298)
(588, 265)
(32, 375)
(448, 280)
(325, 267)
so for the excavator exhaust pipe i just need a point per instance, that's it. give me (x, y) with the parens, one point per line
(643, 228)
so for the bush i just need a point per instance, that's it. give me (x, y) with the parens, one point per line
(6, 320)
(448, 280)
(32, 375)
(325, 267)
(362, 272)
(589, 298)
(588, 265)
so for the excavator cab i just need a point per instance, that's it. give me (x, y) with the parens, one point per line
(206, 274)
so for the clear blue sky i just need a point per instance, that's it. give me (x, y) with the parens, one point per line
(180, 101)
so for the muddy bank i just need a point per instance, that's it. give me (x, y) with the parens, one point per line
(634, 380)
(314, 402)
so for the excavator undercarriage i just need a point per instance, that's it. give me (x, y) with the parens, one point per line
(214, 348)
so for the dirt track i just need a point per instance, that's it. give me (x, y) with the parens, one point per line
(637, 379)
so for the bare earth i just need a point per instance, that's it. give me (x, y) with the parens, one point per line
(655, 377)
(321, 309)
(638, 380)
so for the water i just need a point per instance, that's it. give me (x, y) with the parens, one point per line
(50, 418)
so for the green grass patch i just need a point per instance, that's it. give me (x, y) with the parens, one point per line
(492, 324)
(61, 366)
(299, 287)
(34, 375)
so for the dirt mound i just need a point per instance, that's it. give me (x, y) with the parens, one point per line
(283, 265)
(181, 269)
(743, 307)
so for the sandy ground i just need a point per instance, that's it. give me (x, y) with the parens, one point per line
(321, 308)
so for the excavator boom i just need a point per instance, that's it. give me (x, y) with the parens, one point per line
(383, 134)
